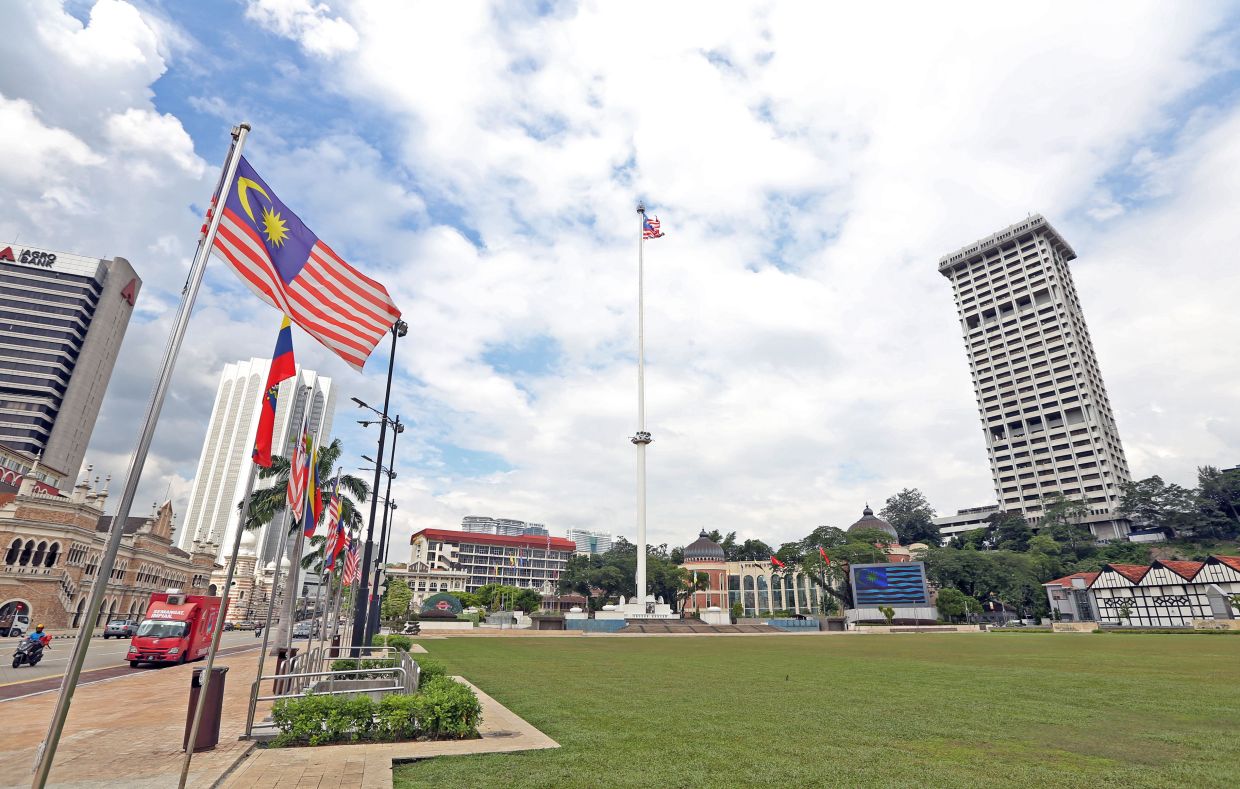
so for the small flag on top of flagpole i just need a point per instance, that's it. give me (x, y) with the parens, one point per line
(287, 266)
(283, 367)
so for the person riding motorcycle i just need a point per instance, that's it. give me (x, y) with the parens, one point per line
(43, 639)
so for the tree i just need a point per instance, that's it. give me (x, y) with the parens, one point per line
(953, 603)
(888, 613)
(912, 516)
(859, 547)
(1061, 519)
(268, 503)
(728, 543)
(753, 551)
(1218, 494)
(1154, 503)
(396, 599)
(1010, 531)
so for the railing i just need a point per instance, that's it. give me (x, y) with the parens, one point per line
(294, 682)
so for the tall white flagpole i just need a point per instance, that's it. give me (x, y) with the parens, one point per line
(46, 753)
(642, 438)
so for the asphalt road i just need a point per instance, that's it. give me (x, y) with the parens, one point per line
(102, 654)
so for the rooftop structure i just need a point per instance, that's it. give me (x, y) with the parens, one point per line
(869, 520)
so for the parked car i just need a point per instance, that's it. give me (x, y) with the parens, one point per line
(121, 628)
(245, 625)
(229, 626)
(306, 628)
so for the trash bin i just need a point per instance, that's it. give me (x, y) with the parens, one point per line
(209, 726)
(335, 649)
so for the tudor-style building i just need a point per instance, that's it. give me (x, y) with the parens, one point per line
(1166, 593)
(52, 546)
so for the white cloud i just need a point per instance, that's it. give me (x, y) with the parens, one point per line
(311, 24)
(810, 164)
(33, 151)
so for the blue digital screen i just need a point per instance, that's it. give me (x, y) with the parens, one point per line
(901, 583)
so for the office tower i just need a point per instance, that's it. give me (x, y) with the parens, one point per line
(483, 524)
(1045, 414)
(62, 319)
(590, 542)
(219, 484)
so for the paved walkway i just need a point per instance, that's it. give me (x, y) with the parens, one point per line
(369, 766)
(127, 732)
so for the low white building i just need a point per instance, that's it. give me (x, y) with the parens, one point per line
(1166, 593)
(965, 521)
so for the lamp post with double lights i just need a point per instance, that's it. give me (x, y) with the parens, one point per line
(399, 329)
(372, 621)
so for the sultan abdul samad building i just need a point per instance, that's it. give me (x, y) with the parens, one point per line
(52, 546)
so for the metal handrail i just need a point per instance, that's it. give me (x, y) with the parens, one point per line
(303, 682)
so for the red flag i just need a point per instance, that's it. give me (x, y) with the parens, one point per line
(823, 553)
(282, 368)
(777, 562)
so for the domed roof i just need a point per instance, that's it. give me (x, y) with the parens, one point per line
(870, 521)
(704, 549)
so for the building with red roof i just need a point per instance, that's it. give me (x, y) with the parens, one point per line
(448, 560)
(1165, 593)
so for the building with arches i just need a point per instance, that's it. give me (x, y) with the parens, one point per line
(760, 587)
(52, 546)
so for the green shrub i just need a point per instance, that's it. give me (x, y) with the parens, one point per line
(348, 664)
(397, 718)
(317, 720)
(430, 670)
(447, 709)
(403, 643)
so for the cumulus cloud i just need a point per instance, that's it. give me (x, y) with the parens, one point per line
(810, 165)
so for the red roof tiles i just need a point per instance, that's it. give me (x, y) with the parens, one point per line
(1066, 581)
(1185, 570)
(1231, 561)
(1133, 572)
(527, 541)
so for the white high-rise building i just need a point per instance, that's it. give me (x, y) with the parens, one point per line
(219, 484)
(1045, 414)
(484, 524)
(590, 542)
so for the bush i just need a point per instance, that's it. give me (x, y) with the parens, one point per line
(431, 669)
(447, 709)
(442, 710)
(317, 720)
(348, 664)
(403, 643)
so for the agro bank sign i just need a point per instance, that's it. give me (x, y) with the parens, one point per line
(33, 257)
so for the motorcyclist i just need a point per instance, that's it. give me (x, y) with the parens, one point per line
(39, 637)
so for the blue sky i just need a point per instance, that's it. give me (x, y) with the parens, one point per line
(809, 164)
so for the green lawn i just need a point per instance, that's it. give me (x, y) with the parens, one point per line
(981, 710)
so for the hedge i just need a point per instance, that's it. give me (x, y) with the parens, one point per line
(403, 643)
(442, 710)
(1167, 632)
(429, 668)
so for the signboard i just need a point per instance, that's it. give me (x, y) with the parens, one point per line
(895, 584)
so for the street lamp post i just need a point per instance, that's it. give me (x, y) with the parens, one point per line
(399, 329)
(389, 471)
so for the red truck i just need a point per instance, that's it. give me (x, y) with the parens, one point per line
(177, 628)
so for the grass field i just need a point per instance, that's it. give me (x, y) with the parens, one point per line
(981, 710)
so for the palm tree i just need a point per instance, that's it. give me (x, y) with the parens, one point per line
(268, 503)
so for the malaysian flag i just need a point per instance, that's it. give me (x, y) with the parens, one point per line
(650, 227)
(287, 266)
(334, 526)
(350, 565)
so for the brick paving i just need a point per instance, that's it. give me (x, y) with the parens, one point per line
(127, 732)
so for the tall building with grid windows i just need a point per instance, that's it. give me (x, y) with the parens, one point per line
(219, 485)
(62, 319)
(1045, 414)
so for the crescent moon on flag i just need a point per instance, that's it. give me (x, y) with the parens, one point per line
(243, 186)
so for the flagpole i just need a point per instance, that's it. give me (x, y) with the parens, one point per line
(643, 437)
(219, 628)
(375, 619)
(292, 584)
(271, 598)
(46, 753)
(327, 546)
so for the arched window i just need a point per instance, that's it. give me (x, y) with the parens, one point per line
(39, 552)
(14, 551)
(77, 614)
(112, 611)
(750, 601)
(805, 595)
(26, 551)
(53, 554)
(764, 595)
(210, 593)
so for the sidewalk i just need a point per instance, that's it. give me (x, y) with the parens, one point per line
(127, 732)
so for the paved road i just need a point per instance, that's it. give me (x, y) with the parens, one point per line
(102, 654)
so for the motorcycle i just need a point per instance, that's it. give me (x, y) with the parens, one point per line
(29, 652)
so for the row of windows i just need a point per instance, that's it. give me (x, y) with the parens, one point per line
(25, 553)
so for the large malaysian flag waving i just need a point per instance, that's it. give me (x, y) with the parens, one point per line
(287, 266)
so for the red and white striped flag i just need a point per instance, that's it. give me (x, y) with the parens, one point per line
(350, 565)
(287, 266)
(299, 474)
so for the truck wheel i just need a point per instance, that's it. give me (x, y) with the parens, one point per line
(133, 664)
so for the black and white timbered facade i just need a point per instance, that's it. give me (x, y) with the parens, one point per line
(1165, 594)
